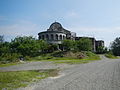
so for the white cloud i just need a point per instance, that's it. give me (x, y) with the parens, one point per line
(117, 28)
(19, 29)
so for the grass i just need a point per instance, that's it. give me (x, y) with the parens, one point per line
(63, 57)
(16, 79)
(80, 61)
(69, 59)
(111, 56)
(8, 64)
(72, 61)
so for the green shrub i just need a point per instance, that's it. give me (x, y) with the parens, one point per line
(111, 56)
(91, 55)
(27, 58)
(9, 57)
(58, 54)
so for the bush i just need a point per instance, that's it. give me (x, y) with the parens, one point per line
(110, 56)
(9, 57)
(27, 58)
(91, 56)
(58, 54)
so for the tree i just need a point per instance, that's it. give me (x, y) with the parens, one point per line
(28, 46)
(100, 50)
(42, 45)
(68, 45)
(1, 38)
(115, 46)
(105, 50)
(84, 44)
(51, 48)
(4, 48)
(21, 46)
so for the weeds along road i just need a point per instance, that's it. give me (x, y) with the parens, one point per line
(98, 75)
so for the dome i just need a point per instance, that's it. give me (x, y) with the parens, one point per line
(55, 26)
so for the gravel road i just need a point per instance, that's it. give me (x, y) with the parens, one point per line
(98, 75)
(30, 66)
(38, 65)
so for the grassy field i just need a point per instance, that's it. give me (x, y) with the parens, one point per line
(111, 56)
(71, 58)
(73, 61)
(8, 64)
(63, 57)
(79, 61)
(11, 80)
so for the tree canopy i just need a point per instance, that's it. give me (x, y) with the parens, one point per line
(68, 44)
(21, 46)
(28, 46)
(84, 44)
(1, 38)
(115, 46)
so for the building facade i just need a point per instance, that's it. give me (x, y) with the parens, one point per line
(99, 43)
(56, 34)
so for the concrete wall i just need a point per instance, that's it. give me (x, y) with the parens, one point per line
(54, 38)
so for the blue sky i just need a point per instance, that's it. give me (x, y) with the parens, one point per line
(93, 18)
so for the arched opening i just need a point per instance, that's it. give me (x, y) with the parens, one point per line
(43, 37)
(52, 37)
(47, 37)
(56, 36)
(63, 37)
(60, 37)
(39, 37)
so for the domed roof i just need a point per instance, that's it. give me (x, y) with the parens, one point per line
(55, 26)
